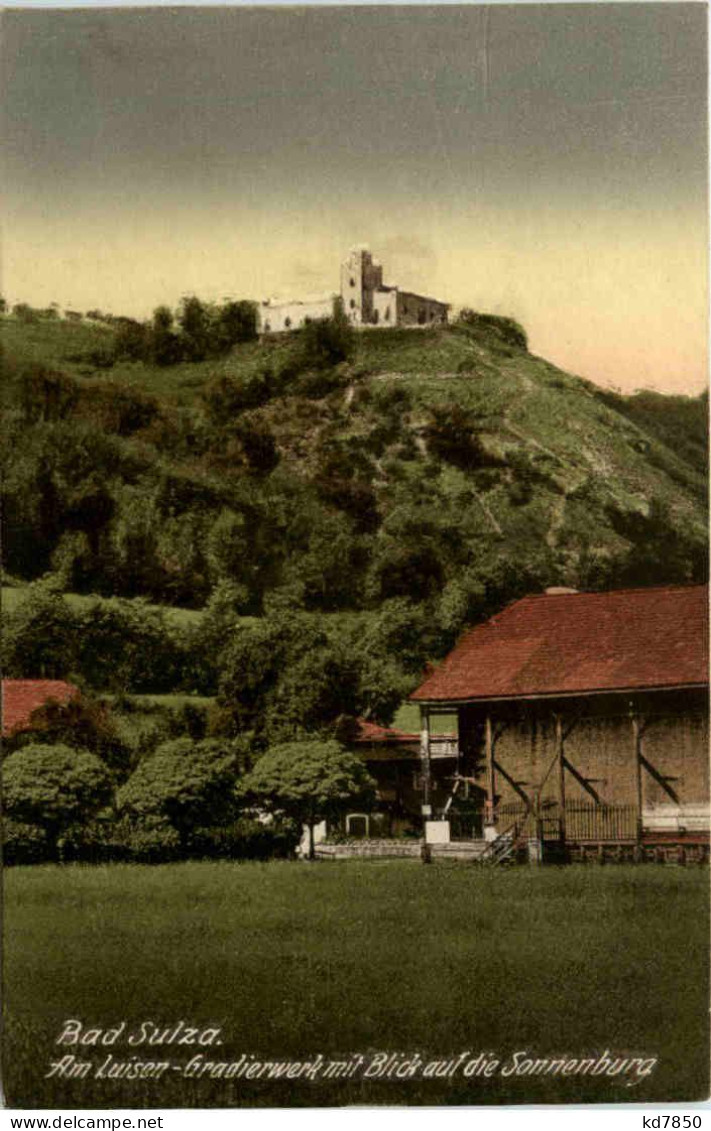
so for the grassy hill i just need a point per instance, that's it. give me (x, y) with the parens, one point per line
(445, 468)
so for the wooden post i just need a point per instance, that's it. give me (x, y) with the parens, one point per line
(560, 752)
(426, 762)
(490, 774)
(637, 749)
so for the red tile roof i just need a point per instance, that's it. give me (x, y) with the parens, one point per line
(373, 732)
(20, 697)
(580, 642)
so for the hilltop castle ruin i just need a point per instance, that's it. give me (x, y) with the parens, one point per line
(366, 301)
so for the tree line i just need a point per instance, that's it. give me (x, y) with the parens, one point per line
(188, 798)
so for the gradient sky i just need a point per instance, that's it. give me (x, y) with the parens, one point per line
(543, 161)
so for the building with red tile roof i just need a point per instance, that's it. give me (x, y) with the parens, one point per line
(582, 718)
(21, 697)
(567, 643)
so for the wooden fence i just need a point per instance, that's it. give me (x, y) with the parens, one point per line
(584, 821)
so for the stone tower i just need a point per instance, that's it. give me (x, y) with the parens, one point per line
(360, 278)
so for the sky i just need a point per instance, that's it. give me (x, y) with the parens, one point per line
(546, 162)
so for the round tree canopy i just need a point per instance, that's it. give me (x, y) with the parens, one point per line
(310, 780)
(54, 785)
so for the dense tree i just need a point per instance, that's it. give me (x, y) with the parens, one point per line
(235, 322)
(309, 781)
(164, 343)
(53, 787)
(132, 339)
(39, 639)
(194, 322)
(652, 557)
(295, 673)
(324, 342)
(24, 312)
(126, 646)
(190, 784)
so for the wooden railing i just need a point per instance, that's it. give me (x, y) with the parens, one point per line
(444, 746)
(583, 821)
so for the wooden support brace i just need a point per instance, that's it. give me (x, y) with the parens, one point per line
(514, 785)
(500, 730)
(586, 783)
(660, 779)
(489, 741)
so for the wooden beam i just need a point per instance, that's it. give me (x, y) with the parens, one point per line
(638, 780)
(490, 773)
(660, 779)
(585, 782)
(425, 759)
(514, 785)
(560, 758)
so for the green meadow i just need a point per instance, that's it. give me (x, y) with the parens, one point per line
(290, 960)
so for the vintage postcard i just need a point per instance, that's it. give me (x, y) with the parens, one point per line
(354, 605)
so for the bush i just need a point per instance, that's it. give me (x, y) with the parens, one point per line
(247, 839)
(46, 394)
(452, 436)
(326, 342)
(54, 787)
(493, 329)
(23, 843)
(117, 408)
(148, 840)
(126, 645)
(185, 784)
(39, 638)
(93, 842)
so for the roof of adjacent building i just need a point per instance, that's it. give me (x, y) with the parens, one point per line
(576, 643)
(20, 697)
(374, 732)
(385, 744)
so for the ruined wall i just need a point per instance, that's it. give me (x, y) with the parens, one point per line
(275, 317)
(366, 302)
(416, 310)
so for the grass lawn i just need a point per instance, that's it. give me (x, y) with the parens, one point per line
(291, 960)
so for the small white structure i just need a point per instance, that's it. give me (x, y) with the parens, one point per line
(437, 832)
(367, 301)
(320, 834)
(676, 818)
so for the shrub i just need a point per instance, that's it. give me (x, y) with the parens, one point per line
(23, 843)
(148, 840)
(39, 638)
(126, 645)
(452, 435)
(493, 329)
(46, 394)
(185, 784)
(54, 787)
(247, 839)
(325, 342)
(309, 782)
